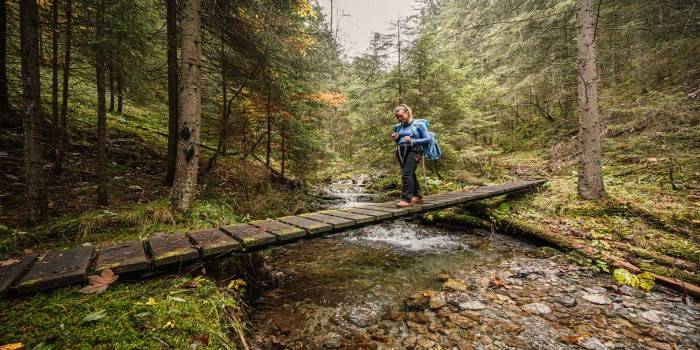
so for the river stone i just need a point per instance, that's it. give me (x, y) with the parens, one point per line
(537, 308)
(593, 343)
(472, 305)
(454, 284)
(437, 302)
(567, 300)
(332, 341)
(597, 299)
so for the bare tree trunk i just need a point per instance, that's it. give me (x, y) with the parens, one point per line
(225, 108)
(111, 86)
(269, 127)
(101, 110)
(171, 19)
(4, 97)
(190, 108)
(284, 145)
(54, 78)
(31, 88)
(590, 176)
(63, 127)
(120, 92)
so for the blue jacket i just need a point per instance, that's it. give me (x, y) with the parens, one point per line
(416, 130)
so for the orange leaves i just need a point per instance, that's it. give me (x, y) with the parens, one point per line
(100, 283)
(331, 99)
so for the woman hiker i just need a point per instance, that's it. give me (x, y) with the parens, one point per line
(409, 137)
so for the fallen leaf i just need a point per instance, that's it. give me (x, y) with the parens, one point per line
(151, 301)
(95, 316)
(12, 346)
(99, 283)
(198, 340)
(178, 299)
(574, 339)
(170, 325)
(497, 282)
(8, 262)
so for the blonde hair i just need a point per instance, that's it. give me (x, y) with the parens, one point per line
(403, 108)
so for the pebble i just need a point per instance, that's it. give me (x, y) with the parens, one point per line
(537, 308)
(472, 305)
(454, 284)
(437, 302)
(597, 299)
(332, 341)
(567, 300)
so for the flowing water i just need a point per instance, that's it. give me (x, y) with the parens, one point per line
(327, 291)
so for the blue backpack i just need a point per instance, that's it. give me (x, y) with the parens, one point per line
(430, 151)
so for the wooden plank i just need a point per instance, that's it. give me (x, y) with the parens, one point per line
(123, 257)
(358, 218)
(283, 231)
(335, 221)
(376, 213)
(213, 242)
(395, 211)
(172, 249)
(249, 235)
(311, 226)
(57, 268)
(11, 273)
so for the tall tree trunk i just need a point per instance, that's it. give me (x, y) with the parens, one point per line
(111, 86)
(63, 126)
(101, 110)
(54, 78)
(120, 92)
(590, 176)
(190, 108)
(31, 93)
(269, 127)
(224, 108)
(171, 19)
(4, 97)
(284, 145)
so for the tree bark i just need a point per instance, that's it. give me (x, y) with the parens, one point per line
(111, 86)
(284, 145)
(590, 175)
(120, 93)
(190, 108)
(31, 93)
(171, 19)
(63, 124)
(269, 127)
(4, 97)
(224, 108)
(101, 110)
(54, 78)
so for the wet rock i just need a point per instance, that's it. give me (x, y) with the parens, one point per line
(454, 284)
(462, 322)
(437, 302)
(409, 342)
(537, 308)
(472, 305)
(567, 300)
(424, 343)
(593, 343)
(599, 299)
(659, 345)
(332, 341)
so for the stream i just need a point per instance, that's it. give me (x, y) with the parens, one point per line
(402, 284)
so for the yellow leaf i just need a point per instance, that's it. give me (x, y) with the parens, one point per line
(12, 346)
(151, 301)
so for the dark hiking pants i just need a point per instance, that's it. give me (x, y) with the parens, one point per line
(408, 157)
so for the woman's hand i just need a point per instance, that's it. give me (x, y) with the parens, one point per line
(395, 136)
(407, 138)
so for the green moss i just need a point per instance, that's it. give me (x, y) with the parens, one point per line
(138, 316)
(644, 280)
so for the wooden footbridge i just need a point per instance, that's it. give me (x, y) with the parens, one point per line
(165, 252)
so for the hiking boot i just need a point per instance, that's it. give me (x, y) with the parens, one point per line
(416, 199)
(403, 204)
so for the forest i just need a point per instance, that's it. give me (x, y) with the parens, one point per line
(125, 119)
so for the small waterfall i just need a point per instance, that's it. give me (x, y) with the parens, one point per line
(347, 192)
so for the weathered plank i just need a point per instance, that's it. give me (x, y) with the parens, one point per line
(311, 226)
(335, 221)
(172, 249)
(57, 268)
(395, 211)
(249, 235)
(380, 215)
(10, 273)
(122, 257)
(283, 231)
(357, 218)
(212, 242)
